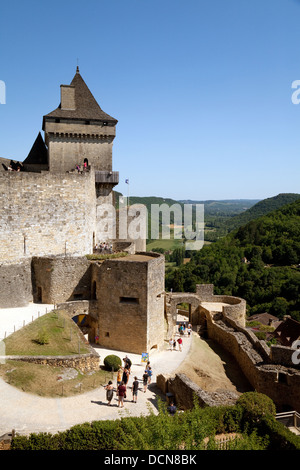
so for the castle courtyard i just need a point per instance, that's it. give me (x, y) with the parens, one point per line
(28, 413)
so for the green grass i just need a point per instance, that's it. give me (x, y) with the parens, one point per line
(43, 380)
(61, 337)
(100, 256)
(170, 244)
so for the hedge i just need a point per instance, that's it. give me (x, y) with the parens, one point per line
(184, 431)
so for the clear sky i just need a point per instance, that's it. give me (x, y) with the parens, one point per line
(201, 88)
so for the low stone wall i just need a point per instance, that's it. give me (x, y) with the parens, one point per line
(83, 362)
(284, 356)
(236, 308)
(185, 391)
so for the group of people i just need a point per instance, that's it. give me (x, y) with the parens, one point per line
(185, 327)
(13, 166)
(122, 383)
(103, 247)
(182, 328)
(82, 167)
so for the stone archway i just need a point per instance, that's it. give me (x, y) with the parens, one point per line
(176, 298)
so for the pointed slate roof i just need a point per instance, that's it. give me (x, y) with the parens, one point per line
(288, 332)
(86, 105)
(38, 153)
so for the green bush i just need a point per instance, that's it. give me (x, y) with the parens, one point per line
(255, 406)
(43, 337)
(112, 362)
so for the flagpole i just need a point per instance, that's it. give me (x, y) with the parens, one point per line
(127, 182)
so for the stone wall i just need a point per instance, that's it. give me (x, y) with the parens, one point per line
(83, 362)
(279, 382)
(236, 308)
(185, 390)
(15, 284)
(61, 278)
(46, 214)
(155, 302)
(129, 309)
(284, 355)
(66, 152)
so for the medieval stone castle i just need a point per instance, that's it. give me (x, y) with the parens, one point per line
(51, 218)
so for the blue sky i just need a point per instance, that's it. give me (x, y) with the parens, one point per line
(201, 88)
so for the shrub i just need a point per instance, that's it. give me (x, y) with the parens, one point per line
(112, 362)
(255, 406)
(43, 337)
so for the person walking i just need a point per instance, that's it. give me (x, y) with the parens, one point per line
(135, 387)
(174, 344)
(119, 376)
(145, 381)
(109, 392)
(125, 376)
(121, 394)
(179, 341)
(149, 372)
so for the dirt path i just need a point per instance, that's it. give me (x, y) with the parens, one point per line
(212, 368)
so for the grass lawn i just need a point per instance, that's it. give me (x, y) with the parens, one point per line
(59, 330)
(49, 381)
(61, 334)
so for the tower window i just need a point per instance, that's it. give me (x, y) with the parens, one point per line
(129, 300)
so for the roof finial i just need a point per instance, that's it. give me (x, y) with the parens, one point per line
(77, 68)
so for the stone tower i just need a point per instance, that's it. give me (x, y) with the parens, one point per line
(79, 131)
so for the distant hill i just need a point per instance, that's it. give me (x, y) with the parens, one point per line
(261, 208)
(258, 261)
(224, 207)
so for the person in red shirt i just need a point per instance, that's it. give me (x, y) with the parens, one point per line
(179, 341)
(121, 394)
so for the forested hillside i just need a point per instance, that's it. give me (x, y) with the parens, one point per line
(261, 208)
(269, 278)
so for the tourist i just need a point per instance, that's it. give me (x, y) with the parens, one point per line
(149, 372)
(189, 330)
(135, 387)
(119, 376)
(127, 363)
(121, 394)
(179, 341)
(174, 344)
(172, 409)
(109, 392)
(145, 381)
(125, 376)
(171, 343)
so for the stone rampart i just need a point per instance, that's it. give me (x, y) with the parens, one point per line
(46, 214)
(280, 383)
